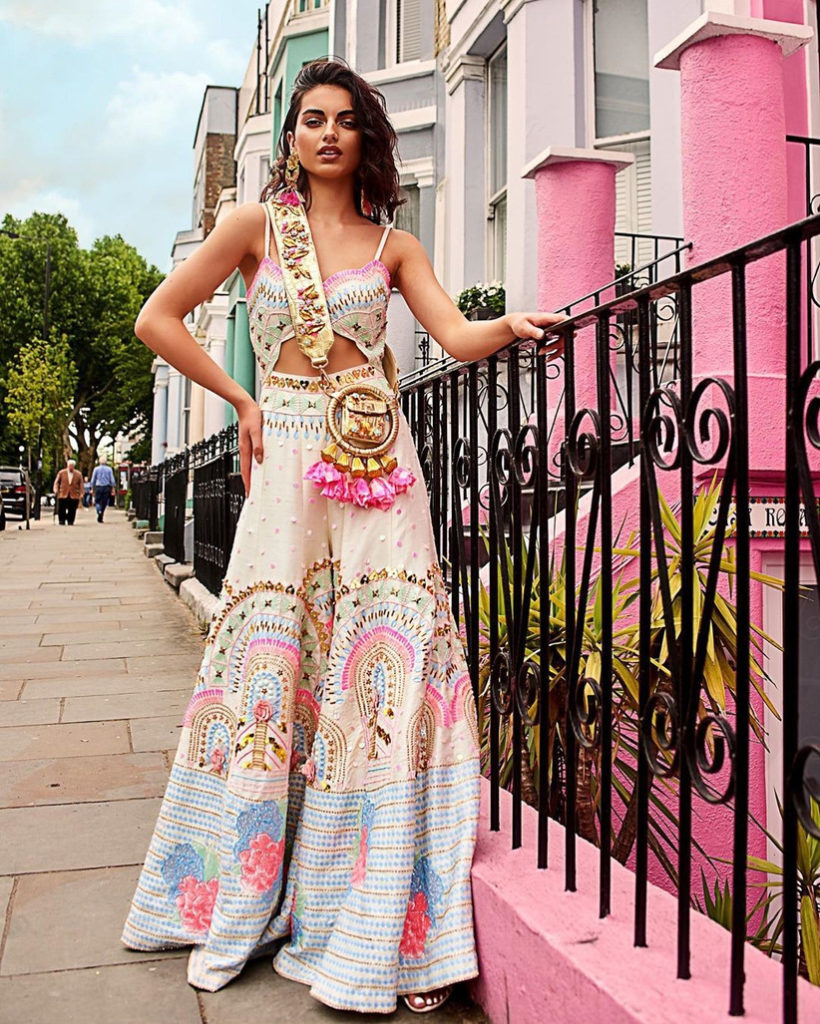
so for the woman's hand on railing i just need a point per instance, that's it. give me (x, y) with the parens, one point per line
(249, 417)
(531, 325)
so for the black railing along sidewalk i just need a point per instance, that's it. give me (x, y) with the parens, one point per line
(544, 635)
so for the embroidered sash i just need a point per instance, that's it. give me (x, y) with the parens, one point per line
(362, 419)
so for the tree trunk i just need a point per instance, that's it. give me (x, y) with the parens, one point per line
(585, 802)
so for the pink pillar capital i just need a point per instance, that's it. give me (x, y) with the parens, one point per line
(735, 190)
(575, 205)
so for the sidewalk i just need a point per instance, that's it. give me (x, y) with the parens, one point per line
(98, 658)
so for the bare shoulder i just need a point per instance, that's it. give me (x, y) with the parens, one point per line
(403, 243)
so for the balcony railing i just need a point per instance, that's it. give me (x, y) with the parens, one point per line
(595, 730)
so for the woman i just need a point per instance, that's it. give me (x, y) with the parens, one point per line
(325, 789)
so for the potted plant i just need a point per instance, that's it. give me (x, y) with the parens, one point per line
(482, 301)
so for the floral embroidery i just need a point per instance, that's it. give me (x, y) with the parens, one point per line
(426, 896)
(366, 816)
(261, 862)
(195, 902)
(416, 926)
(191, 872)
(260, 847)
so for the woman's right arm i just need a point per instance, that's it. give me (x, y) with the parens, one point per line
(160, 325)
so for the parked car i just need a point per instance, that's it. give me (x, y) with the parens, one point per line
(16, 490)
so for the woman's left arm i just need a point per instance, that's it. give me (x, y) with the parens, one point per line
(463, 339)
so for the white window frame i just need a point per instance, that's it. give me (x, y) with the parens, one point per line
(311, 7)
(492, 271)
(391, 57)
(596, 141)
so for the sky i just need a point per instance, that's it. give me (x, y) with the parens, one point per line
(98, 106)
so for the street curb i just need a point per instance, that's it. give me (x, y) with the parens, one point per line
(200, 600)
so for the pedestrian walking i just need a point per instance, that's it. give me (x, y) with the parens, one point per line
(68, 488)
(102, 486)
(323, 799)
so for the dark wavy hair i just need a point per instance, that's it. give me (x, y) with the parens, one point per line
(377, 176)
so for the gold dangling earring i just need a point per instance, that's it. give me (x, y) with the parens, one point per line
(292, 168)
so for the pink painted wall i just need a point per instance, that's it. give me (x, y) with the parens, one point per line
(545, 955)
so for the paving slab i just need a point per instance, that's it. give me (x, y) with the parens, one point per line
(115, 631)
(131, 649)
(85, 911)
(155, 733)
(29, 712)
(26, 743)
(67, 837)
(53, 669)
(148, 704)
(155, 992)
(10, 689)
(30, 655)
(91, 682)
(71, 780)
(171, 664)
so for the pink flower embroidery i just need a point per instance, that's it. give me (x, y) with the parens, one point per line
(217, 760)
(261, 862)
(195, 903)
(262, 711)
(416, 927)
(308, 769)
(361, 862)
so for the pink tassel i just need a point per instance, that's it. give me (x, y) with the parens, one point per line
(323, 473)
(401, 479)
(338, 490)
(360, 492)
(382, 494)
(290, 197)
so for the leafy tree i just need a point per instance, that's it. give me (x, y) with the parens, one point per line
(92, 298)
(39, 395)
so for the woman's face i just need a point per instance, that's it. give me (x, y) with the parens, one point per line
(327, 139)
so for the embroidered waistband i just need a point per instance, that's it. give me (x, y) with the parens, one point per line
(277, 380)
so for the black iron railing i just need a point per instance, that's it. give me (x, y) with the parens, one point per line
(145, 490)
(543, 599)
(175, 474)
(811, 177)
(218, 499)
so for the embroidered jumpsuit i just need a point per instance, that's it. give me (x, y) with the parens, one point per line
(323, 799)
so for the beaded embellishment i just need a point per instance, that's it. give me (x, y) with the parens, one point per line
(356, 466)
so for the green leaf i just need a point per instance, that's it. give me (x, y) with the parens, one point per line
(810, 934)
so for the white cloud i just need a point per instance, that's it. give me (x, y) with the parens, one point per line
(83, 22)
(152, 106)
(30, 196)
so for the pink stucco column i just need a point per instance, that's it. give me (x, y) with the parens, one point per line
(735, 190)
(575, 205)
(733, 152)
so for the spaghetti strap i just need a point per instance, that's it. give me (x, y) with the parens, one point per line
(267, 230)
(381, 243)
